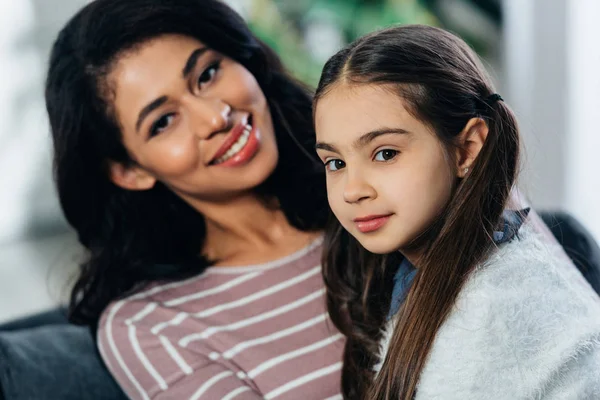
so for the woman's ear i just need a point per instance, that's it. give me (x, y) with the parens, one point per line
(130, 177)
(470, 141)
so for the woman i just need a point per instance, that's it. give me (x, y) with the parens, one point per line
(183, 159)
(421, 157)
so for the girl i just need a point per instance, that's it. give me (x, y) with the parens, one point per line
(183, 159)
(421, 155)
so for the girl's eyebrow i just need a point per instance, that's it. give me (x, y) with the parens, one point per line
(326, 146)
(372, 135)
(364, 139)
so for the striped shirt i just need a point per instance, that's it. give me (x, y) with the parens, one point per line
(250, 332)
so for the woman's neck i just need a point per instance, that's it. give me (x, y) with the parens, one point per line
(246, 230)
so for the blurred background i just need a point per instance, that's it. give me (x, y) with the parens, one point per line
(541, 54)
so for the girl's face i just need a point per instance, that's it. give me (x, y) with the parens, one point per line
(388, 175)
(191, 118)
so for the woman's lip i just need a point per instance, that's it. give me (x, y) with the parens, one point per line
(371, 223)
(233, 137)
(246, 153)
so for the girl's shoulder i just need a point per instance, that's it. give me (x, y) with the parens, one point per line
(530, 270)
(524, 320)
(529, 295)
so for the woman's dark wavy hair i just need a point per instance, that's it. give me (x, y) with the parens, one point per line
(137, 237)
(443, 84)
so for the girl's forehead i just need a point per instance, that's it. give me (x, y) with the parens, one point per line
(351, 110)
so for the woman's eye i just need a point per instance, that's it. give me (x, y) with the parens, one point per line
(335, 165)
(208, 74)
(385, 155)
(161, 124)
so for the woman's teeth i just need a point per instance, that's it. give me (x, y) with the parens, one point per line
(237, 146)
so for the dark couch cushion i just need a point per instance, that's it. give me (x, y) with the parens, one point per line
(578, 243)
(50, 317)
(53, 362)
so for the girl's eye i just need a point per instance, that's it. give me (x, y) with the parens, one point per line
(334, 165)
(385, 155)
(161, 124)
(208, 74)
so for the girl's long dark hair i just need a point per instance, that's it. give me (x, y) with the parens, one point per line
(137, 237)
(444, 85)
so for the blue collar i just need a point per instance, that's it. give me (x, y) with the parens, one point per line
(511, 223)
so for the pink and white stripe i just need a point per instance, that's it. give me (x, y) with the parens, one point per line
(255, 332)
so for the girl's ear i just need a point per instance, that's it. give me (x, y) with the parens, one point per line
(130, 177)
(470, 141)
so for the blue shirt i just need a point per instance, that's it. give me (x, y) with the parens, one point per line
(511, 220)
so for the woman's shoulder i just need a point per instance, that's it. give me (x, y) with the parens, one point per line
(214, 286)
(135, 343)
(147, 306)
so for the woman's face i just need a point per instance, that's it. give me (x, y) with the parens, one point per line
(191, 118)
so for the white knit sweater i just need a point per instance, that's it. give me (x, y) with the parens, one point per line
(526, 325)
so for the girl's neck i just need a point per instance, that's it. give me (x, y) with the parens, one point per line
(413, 257)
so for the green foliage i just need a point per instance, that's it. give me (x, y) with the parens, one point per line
(305, 32)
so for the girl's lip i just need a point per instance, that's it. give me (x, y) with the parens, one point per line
(370, 217)
(371, 223)
(233, 137)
